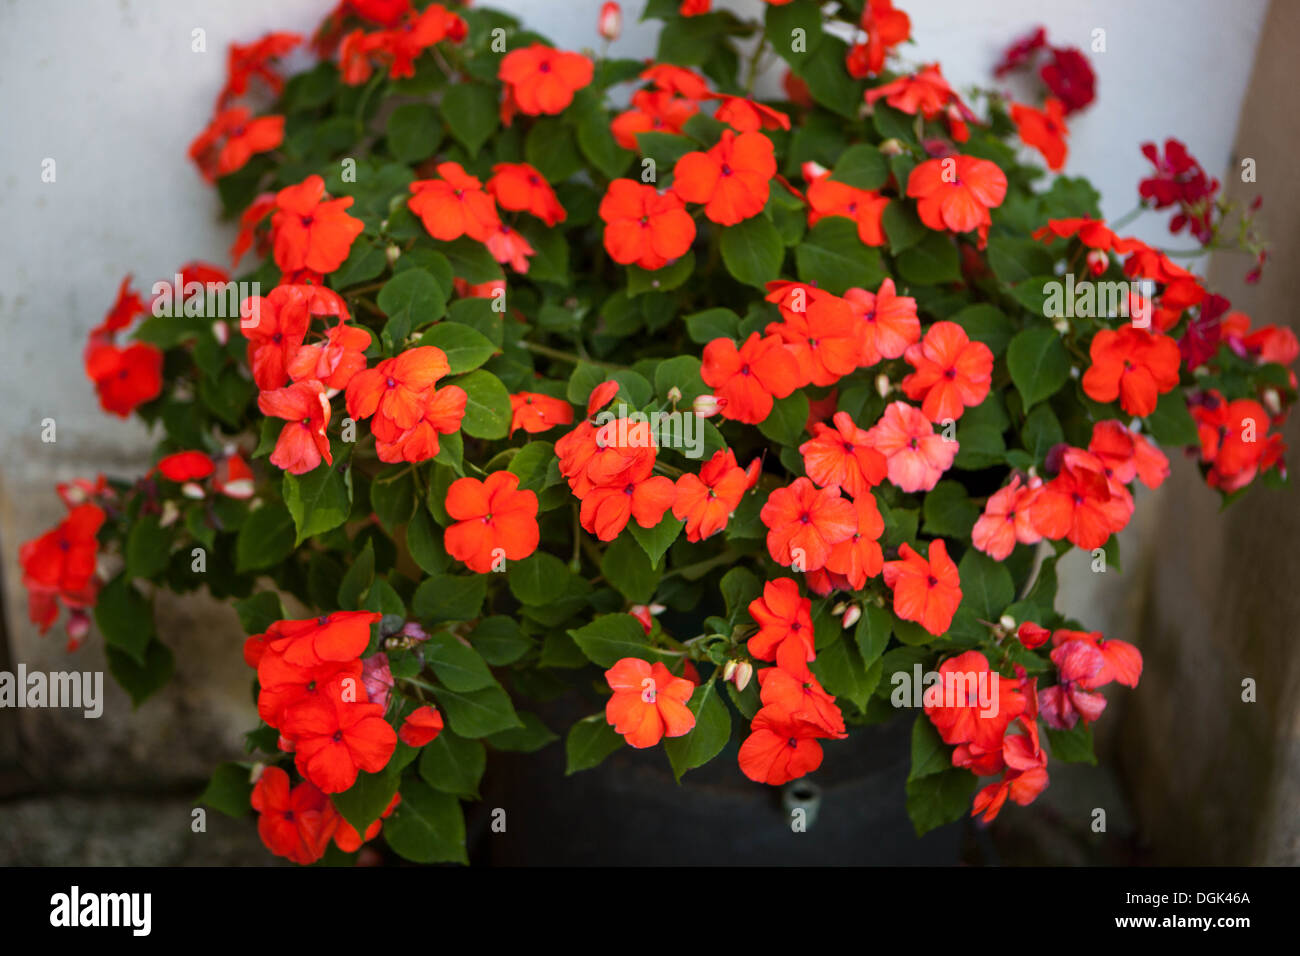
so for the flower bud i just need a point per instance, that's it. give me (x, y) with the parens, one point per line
(1061, 324)
(192, 489)
(1098, 261)
(883, 385)
(706, 406)
(392, 253)
(1272, 401)
(1007, 623)
(744, 671)
(221, 332)
(729, 670)
(170, 513)
(610, 23)
(892, 147)
(851, 616)
(674, 394)
(1031, 635)
(78, 626)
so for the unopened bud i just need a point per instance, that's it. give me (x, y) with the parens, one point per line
(706, 406)
(892, 147)
(840, 608)
(883, 385)
(1272, 401)
(1061, 324)
(192, 489)
(1098, 261)
(744, 671)
(392, 253)
(610, 23)
(729, 670)
(221, 332)
(78, 625)
(851, 616)
(674, 394)
(1007, 623)
(169, 514)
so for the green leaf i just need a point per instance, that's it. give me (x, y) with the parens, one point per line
(143, 677)
(229, 790)
(424, 541)
(532, 463)
(939, 798)
(478, 713)
(902, 226)
(931, 261)
(1038, 364)
(706, 739)
(948, 511)
(842, 672)
(392, 496)
(704, 327)
(588, 743)
(785, 423)
(655, 541)
(265, 538)
(453, 765)
(500, 640)
(828, 81)
(533, 736)
(357, 581)
(611, 637)
(872, 632)
(148, 548)
(781, 24)
(598, 145)
(664, 279)
(1073, 745)
(988, 324)
(449, 597)
(410, 299)
(414, 132)
(986, 584)
(1042, 430)
(551, 149)
(487, 405)
(538, 579)
(427, 826)
(458, 666)
(471, 113)
(470, 260)
(363, 802)
(752, 251)
(1171, 423)
(930, 755)
(260, 611)
(320, 500)
(465, 348)
(627, 567)
(1014, 260)
(861, 167)
(833, 258)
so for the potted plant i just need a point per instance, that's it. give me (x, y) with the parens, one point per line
(702, 423)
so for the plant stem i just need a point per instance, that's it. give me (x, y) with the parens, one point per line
(565, 356)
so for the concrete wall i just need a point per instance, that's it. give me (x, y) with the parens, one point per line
(113, 92)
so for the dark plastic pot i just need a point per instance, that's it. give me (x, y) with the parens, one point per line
(630, 811)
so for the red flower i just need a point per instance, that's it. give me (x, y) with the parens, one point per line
(1070, 78)
(731, 179)
(60, 565)
(1132, 365)
(339, 637)
(232, 138)
(746, 116)
(454, 205)
(1128, 455)
(859, 557)
(607, 507)
(707, 500)
(126, 307)
(540, 79)
(494, 521)
(302, 442)
(915, 456)
(1078, 663)
(346, 837)
(245, 63)
(421, 726)
(964, 719)
(643, 226)
(309, 232)
(334, 361)
(843, 457)
(1006, 520)
(749, 378)
(802, 697)
(865, 207)
(888, 322)
(402, 45)
(294, 823)
(1180, 181)
(926, 591)
(248, 221)
(275, 326)
(521, 188)
(443, 409)
(822, 334)
(396, 391)
(186, 466)
(785, 629)
(780, 747)
(335, 738)
(886, 28)
(1044, 130)
(535, 413)
(957, 192)
(952, 372)
(657, 111)
(124, 378)
(1081, 503)
(648, 702)
(805, 523)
